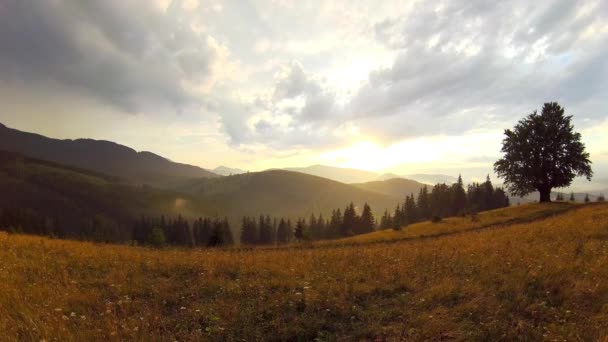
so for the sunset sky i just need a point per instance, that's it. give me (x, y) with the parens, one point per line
(390, 86)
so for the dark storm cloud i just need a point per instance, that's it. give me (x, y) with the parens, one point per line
(124, 54)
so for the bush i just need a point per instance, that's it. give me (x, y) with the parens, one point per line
(157, 237)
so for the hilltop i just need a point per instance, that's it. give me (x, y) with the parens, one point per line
(541, 277)
(100, 156)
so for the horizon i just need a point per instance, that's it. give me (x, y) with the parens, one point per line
(388, 88)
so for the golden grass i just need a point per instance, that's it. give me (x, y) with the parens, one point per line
(542, 280)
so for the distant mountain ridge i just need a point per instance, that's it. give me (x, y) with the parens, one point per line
(283, 193)
(395, 187)
(100, 156)
(352, 176)
(227, 171)
(338, 174)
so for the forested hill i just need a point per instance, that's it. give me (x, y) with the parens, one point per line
(71, 202)
(101, 156)
(283, 193)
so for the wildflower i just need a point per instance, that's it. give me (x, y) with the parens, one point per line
(298, 293)
(182, 308)
(65, 318)
(83, 318)
(58, 309)
(73, 314)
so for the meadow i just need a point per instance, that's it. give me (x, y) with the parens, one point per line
(531, 272)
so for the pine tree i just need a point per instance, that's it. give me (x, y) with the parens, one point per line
(488, 192)
(459, 197)
(423, 203)
(386, 222)
(601, 198)
(587, 200)
(397, 218)
(349, 222)
(410, 210)
(572, 197)
(265, 235)
(283, 232)
(367, 220)
(299, 232)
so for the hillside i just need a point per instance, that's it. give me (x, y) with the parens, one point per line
(540, 279)
(395, 187)
(338, 174)
(285, 193)
(76, 197)
(100, 156)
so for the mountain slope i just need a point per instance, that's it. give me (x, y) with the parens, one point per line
(279, 192)
(337, 174)
(100, 156)
(395, 187)
(76, 197)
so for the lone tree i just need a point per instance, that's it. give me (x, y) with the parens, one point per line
(542, 152)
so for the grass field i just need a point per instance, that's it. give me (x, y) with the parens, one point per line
(533, 272)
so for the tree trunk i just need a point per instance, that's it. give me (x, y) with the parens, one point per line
(545, 195)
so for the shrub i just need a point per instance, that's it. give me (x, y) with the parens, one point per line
(157, 237)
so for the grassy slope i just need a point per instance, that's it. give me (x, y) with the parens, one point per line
(544, 279)
(452, 225)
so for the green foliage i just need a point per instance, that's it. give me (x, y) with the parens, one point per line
(157, 237)
(542, 152)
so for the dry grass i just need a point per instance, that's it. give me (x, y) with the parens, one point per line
(541, 280)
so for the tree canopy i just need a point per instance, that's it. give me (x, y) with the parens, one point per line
(542, 152)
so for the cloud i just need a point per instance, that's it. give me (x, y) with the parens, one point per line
(127, 54)
(308, 76)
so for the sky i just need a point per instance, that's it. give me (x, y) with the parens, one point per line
(388, 86)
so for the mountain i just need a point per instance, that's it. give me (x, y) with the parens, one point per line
(282, 193)
(395, 187)
(83, 200)
(348, 176)
(77, 198)
(100, 156)
(338, 174)
(387, 176)
(432, 179)
(227, 171)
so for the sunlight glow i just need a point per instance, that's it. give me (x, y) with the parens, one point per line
(368, 155)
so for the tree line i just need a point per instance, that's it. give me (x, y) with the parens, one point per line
(443, 201)
(203, 232)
